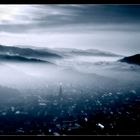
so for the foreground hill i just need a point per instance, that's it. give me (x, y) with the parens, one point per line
(135, 59)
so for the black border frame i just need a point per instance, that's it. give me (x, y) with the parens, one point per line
(69, 1)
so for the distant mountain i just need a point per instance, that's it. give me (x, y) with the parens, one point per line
(15, 58)
(135, 59)
(101, 53)
(87, 52)
(27, 52)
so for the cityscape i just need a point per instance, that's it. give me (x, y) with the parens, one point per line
(69, 70)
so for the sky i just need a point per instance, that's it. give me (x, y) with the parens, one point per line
(114, 28)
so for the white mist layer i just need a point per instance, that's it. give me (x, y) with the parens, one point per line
(81, 72)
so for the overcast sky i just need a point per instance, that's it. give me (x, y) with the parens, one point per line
(114, 28)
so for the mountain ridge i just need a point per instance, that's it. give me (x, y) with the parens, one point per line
(26, 52)
(85, 52)
(16, 58)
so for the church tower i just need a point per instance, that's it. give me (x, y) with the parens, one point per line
(60, 91)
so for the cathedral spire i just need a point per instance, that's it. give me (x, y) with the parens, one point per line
(60, 90)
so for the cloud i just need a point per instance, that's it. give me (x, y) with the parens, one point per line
(108, 27)
(29, 18)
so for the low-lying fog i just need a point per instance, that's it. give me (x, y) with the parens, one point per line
(98, 71)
